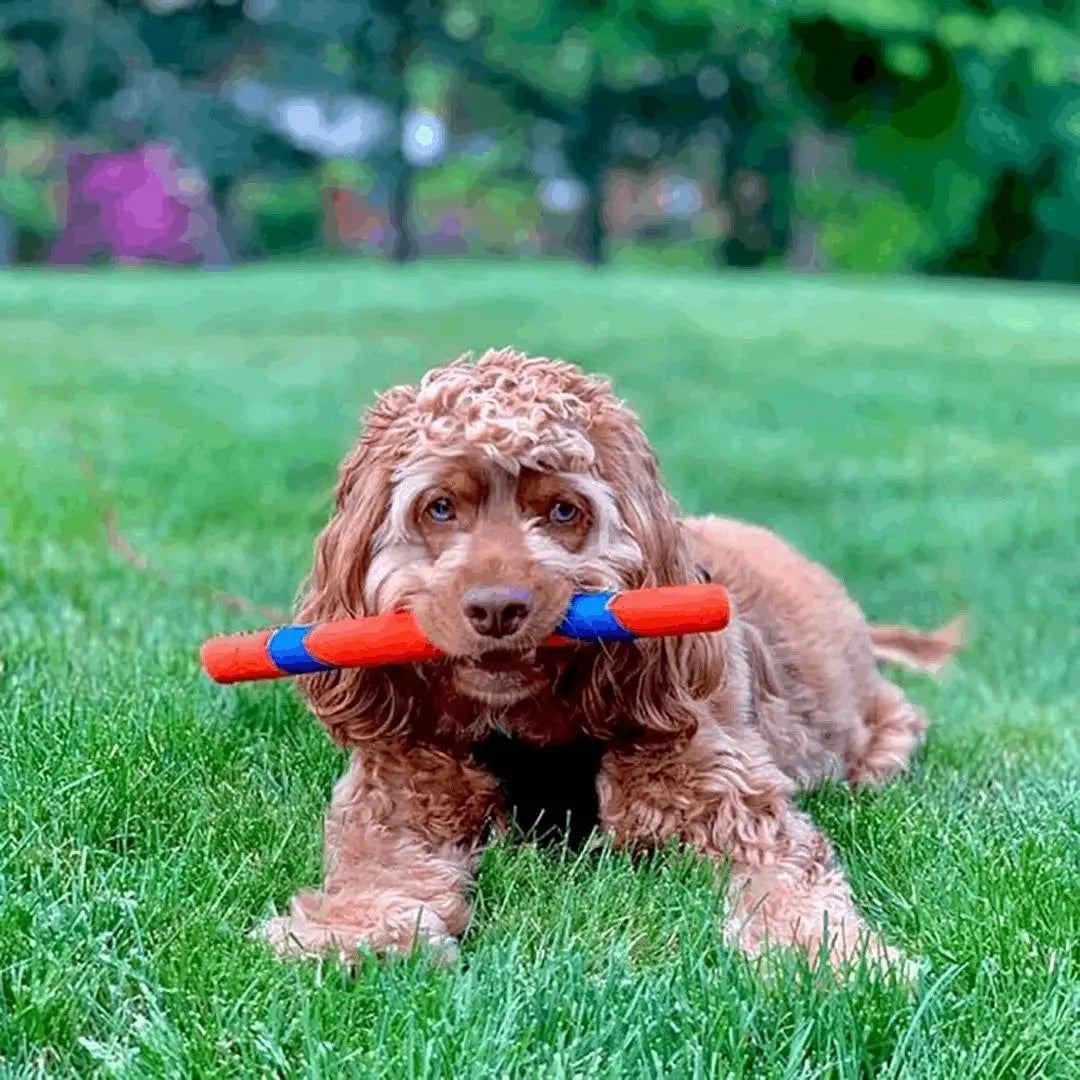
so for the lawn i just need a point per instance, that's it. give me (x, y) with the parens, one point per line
(923, 439)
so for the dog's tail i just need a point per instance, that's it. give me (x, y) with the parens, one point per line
(919, 650)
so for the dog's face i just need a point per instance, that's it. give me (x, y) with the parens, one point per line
(481, 500)
(487, 554)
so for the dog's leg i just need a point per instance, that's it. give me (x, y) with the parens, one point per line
(733, 804)
(894, 730)
(401, 838)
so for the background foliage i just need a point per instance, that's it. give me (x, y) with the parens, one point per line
(941, 136)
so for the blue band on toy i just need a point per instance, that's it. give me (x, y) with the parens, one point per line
(287, 650)
(590, 619)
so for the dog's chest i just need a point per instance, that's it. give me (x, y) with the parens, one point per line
(549, 790)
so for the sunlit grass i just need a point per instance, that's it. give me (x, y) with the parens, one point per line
(919, 438)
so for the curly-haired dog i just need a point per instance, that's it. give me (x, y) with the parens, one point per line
(481, 499)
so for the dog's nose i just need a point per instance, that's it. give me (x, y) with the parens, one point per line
(496, 610)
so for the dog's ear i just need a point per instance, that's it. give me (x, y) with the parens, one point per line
(355, 704)
(335, 587)
(662, 683)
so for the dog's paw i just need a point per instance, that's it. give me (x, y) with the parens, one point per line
(297, 936)
(300, 939)
(846, 950)
(886, 959)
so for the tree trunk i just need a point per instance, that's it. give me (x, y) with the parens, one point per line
(756, 185)
(405, 21)
(221, 247)
(587, 152)
(590, 229)
(7, 234)
(815, 154)
(403, 246)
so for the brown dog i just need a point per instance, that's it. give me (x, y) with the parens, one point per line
(481, 499)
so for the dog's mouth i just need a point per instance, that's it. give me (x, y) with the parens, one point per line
(499, 677)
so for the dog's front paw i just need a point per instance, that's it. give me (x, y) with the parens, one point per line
(851, 948)
(845, 949)
(874, 953)
(310, 931)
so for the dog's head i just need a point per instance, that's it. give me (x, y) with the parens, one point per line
(481, 500)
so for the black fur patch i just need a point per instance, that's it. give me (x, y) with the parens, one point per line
(550, 790)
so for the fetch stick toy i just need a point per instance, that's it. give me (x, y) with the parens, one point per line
(396, 638)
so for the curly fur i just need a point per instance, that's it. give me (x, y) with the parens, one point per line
(703, 738)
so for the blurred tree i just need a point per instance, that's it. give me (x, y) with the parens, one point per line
(590, 66)
(365, 49)
(123, 72)
(385, 44)
(968, 113)
(255, 88)
(962, 115)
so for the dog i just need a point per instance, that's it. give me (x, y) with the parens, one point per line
(481, 499)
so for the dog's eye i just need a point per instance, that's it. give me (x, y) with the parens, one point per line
(441, 510)
(562, 513)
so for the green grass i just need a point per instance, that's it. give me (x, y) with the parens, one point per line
(922, 439)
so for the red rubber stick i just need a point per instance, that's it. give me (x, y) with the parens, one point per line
(667, 611)
(396, 638)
